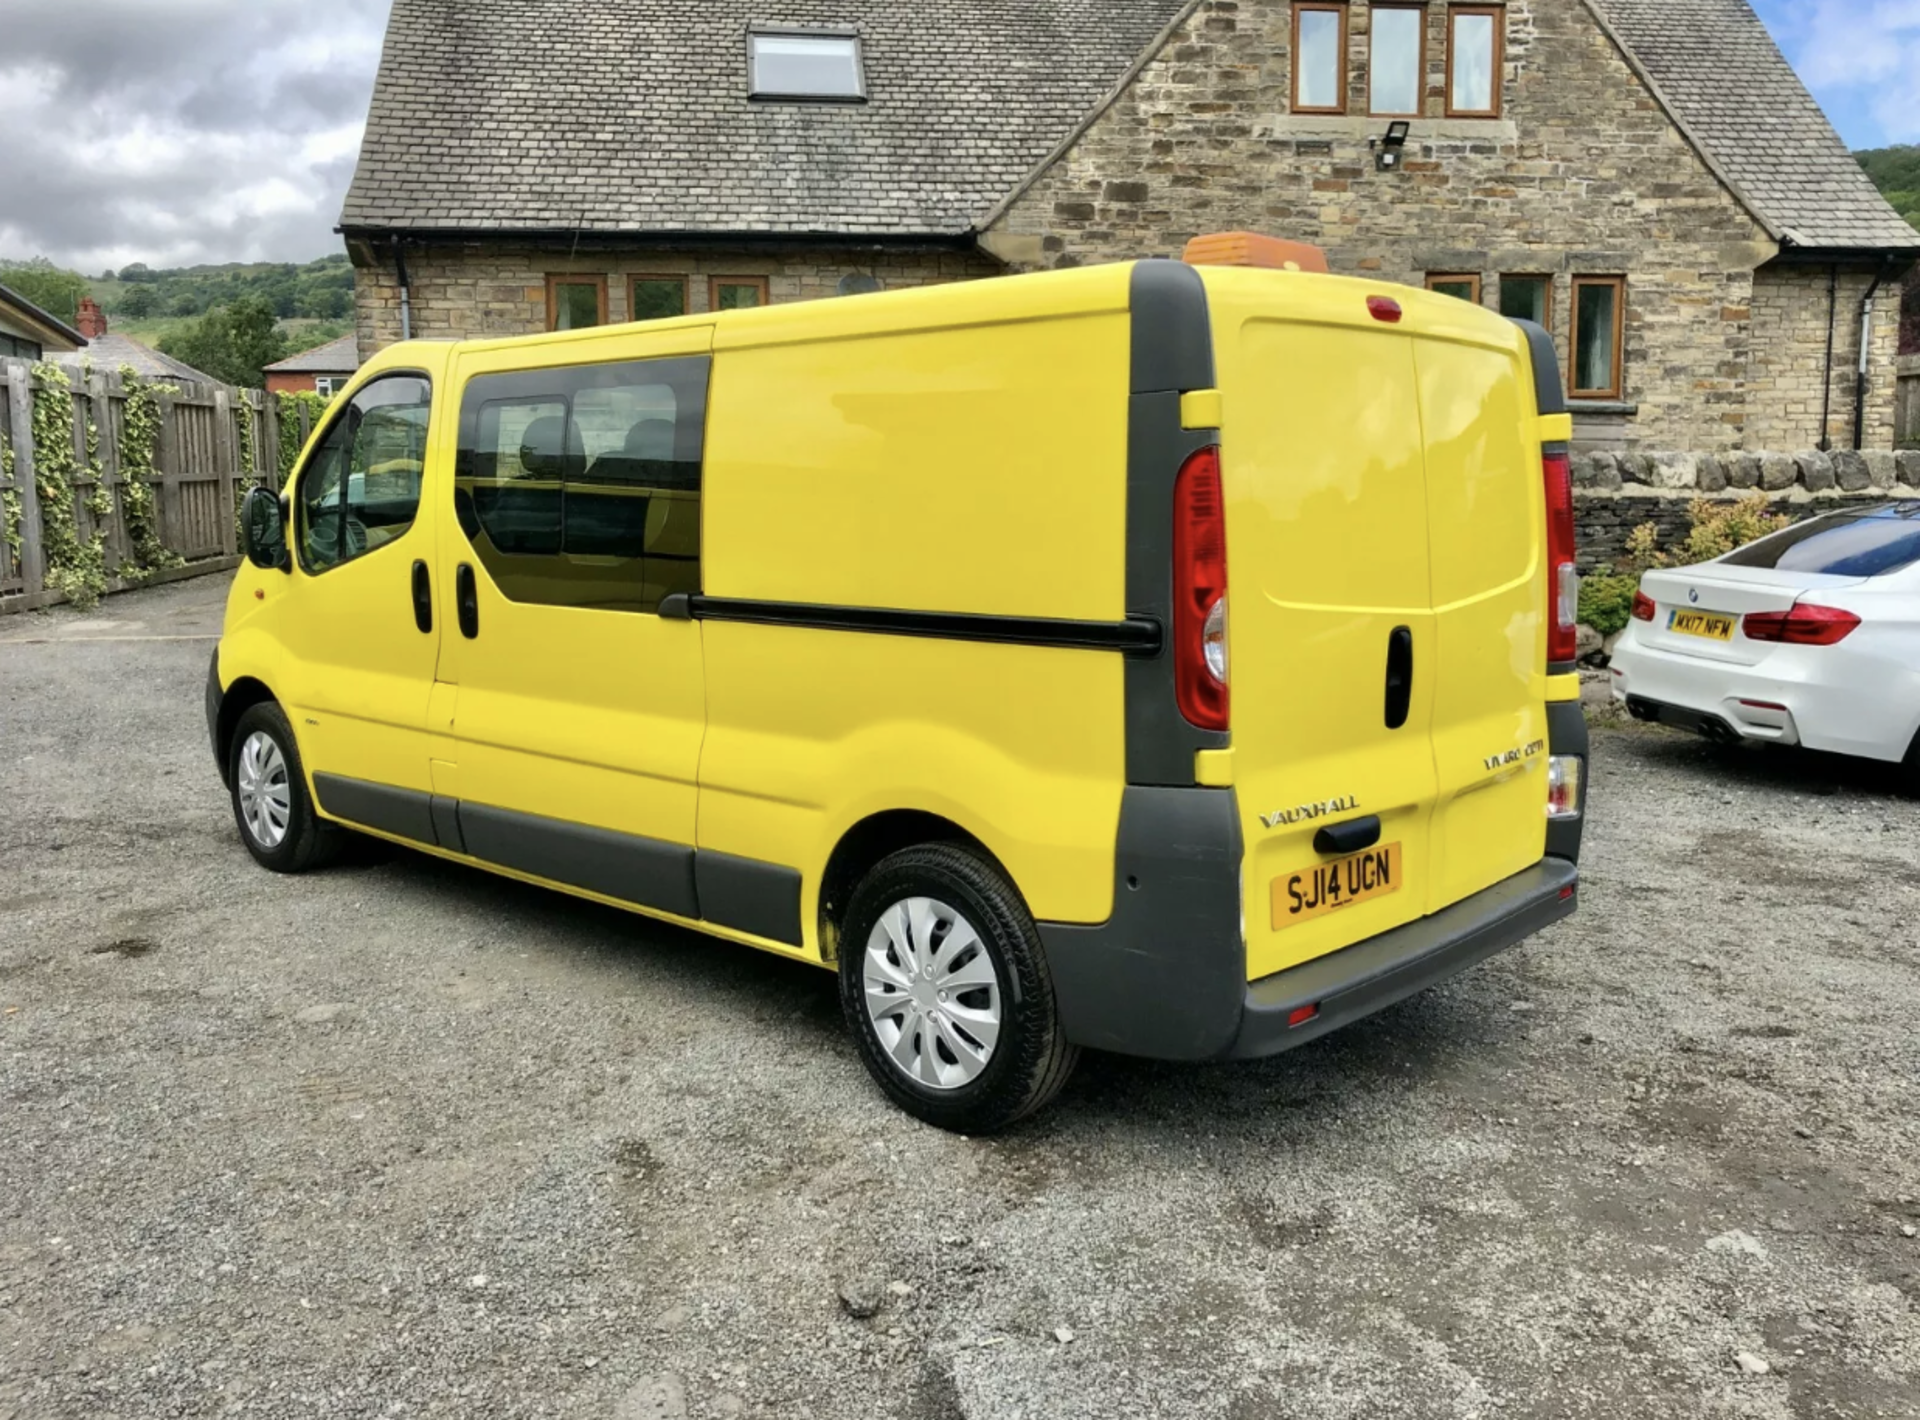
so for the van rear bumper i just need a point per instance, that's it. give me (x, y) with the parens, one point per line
(1165, 977)
(1372, 975)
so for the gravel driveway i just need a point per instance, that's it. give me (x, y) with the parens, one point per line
(401, 1139)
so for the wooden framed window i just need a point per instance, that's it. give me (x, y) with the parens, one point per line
(576, 302)
(1397, 65)
(1466, 288)
(1476, 60)
(1320, 56)
(1527, 298)
(1599, 336)
(658, 297)
(736, 293)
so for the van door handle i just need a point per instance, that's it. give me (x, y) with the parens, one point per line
(422, 597)
(1356, 835)
(466, 601)
(1399, 676)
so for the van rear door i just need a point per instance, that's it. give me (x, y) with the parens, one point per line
(1486, 535)
(1324, 483)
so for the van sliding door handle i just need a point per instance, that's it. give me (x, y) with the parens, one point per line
(422, 598)
(466, 601)
(1399, 676)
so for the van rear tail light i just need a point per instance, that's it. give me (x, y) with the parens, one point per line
(1200, 592)
(1642, 607)
(1563, 581)
(1800, 625)
(1563, 786)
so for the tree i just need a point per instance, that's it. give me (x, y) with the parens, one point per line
(137, 272)
(233, 343)
(139, 303)
(53, 289)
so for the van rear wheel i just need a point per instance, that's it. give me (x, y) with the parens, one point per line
(945, 987)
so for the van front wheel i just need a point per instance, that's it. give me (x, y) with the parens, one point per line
(270, 800)
(945, 987)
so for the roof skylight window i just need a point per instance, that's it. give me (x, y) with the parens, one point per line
(813, 65)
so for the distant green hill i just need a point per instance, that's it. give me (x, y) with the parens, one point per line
(138, 297)
(1896, 172)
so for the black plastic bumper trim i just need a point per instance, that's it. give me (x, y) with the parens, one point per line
(1374, 974)
(216, 697)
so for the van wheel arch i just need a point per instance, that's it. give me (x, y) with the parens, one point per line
(240, 697)
(861, 849)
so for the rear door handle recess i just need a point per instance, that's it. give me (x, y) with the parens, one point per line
(466, 601)
(422, 597)
(1399, 676)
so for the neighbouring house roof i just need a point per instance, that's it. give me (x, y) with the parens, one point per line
(1719, 73)
(632, 115)
(52, 333)
(110, 351)
(336, 357)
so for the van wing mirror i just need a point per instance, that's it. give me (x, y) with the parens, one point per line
(263, 530)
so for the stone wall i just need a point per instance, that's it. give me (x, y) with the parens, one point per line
(471, 290)
(1791, 305)
(1583, 175)
(1613, 496)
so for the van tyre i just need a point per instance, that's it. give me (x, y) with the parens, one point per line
(945, 988)
(271, 804)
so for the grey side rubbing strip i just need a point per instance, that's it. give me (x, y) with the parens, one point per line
(623, 866)
(1172, 354)
(446, 824)
(749, 896)
(405, 813)
(1166, 975)
(1567, 734)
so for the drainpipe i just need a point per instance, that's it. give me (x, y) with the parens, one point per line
(1826, 388)
(406, 291)
(1866, 341)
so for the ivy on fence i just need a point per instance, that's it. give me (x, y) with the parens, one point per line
(10, 510)
(76, 569)
(291, 403)
(139, 451)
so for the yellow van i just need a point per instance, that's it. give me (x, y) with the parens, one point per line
(1162, 658)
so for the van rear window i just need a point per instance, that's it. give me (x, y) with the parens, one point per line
(1864, 544)
(581, 486)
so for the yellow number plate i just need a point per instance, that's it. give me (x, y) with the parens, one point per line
(1328, 887)
(1701, 623)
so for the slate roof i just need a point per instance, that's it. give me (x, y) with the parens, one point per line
(625, 115)
(112, 350)
(1719, 72)
(336, 357)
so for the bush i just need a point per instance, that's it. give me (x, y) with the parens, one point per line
(1606, 601)
(1718, 528)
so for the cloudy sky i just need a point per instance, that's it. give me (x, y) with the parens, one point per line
(180, 131)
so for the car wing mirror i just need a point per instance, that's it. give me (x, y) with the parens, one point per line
(263, 530)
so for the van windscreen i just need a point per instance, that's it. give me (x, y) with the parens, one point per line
(1864, 544)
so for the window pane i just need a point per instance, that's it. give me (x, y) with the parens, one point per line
(1396, 82)
(806, 66)
(1593, 342)
(576, 305)
(1842, 545)
(581, 487)
(361, 490)
(1472, 63)
(736, 295)
(656, 300)
(1463, 290)
(1525, 298)
(1319, 59)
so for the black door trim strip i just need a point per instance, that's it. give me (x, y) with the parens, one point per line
(1136, 636)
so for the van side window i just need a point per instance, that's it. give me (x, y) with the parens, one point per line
(581, 486)
(361, 489)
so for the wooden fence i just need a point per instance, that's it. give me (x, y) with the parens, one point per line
(1906, 403)
(198, 476)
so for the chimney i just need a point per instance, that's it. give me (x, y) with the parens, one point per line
(92, 321)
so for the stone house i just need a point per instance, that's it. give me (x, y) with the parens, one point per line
(29, 333)
(1647, 177)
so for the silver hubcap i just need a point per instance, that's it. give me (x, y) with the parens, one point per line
(932, 993)
(266, 800)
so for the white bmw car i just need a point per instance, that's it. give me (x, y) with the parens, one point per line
(1810, 637)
